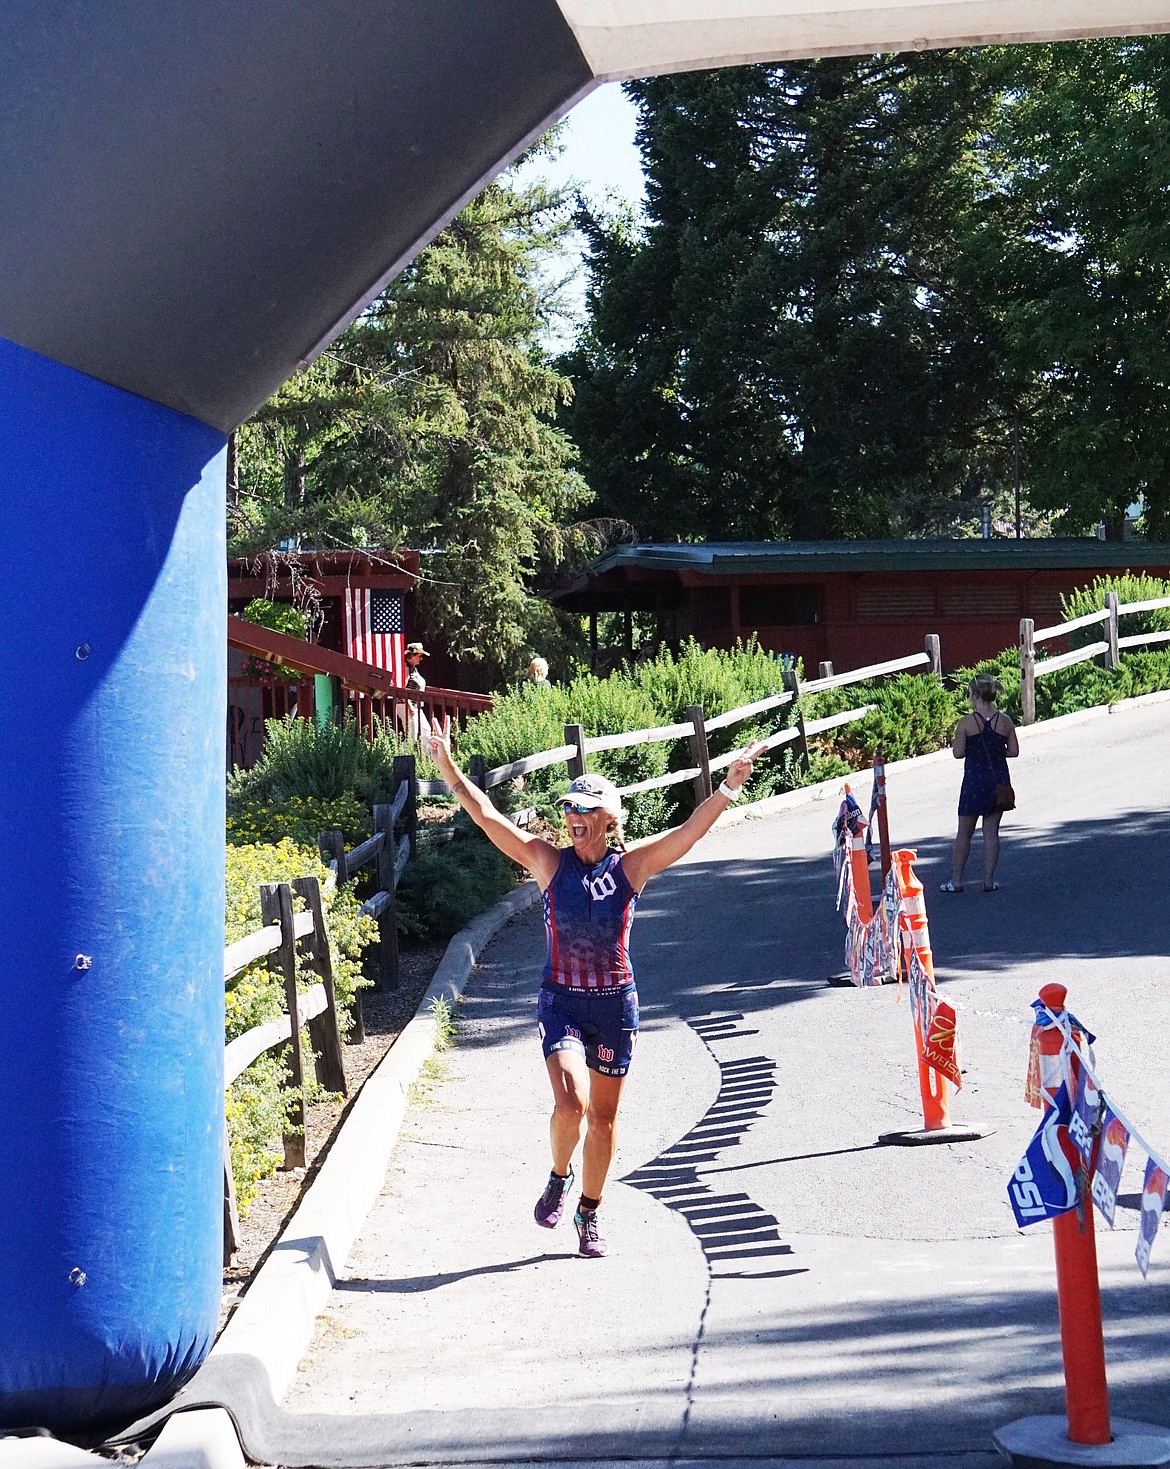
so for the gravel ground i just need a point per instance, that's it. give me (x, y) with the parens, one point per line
(386, 1013)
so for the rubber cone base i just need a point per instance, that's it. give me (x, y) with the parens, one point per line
(922, 1137)
(1043, 1443)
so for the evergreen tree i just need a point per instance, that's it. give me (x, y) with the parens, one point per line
(1079, 269)
(784, 346)
(858, 279)
(431, 422)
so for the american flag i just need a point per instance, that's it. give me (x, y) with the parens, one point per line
(375, 629)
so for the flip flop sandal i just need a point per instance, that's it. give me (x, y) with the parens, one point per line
(948, 887)
(991, 887)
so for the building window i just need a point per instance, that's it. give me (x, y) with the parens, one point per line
(773, 606)
(970, 603)
(894, 603)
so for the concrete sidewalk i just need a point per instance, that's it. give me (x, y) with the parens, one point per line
(779, 1286)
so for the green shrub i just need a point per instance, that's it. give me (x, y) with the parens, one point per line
(1129, 588)
(258, 1100)
(915, 713)
(299, 818)
(523, 722)
(455, 875)
(324, 763)
(654, 693)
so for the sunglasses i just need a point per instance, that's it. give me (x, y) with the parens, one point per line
(577, 809)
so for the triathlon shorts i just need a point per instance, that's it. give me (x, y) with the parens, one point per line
(601, 1025)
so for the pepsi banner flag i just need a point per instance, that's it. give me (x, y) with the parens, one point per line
(1153, 1202)
(1086, 1116)
(1110, 1162)
(1044, 1184)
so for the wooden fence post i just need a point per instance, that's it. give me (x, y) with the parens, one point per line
(1113, 656)
(405, 769)
(388, 917)
(1027, 671)
(575, 735)
(231, 1215)
(323, 1028)
(790, 681)
(825, 670)
(332, 846)
(934, 653)
(699, 753)
(475, 770)
(276, 907)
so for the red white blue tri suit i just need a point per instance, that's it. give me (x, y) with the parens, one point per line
(588, 1001)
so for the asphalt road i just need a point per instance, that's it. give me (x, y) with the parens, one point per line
(781, 1286)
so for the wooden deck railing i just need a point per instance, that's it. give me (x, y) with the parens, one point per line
(368, 693)
(1110, 646)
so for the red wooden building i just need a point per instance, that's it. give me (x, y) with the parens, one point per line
(852, 602)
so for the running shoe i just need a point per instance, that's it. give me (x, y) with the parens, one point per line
(551, 1204)
(592, 1243)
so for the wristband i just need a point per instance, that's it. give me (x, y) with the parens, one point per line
(725, 790)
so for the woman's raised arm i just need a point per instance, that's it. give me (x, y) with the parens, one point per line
(643, 861)
(540, 857)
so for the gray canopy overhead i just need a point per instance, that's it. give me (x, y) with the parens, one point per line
(196, 196)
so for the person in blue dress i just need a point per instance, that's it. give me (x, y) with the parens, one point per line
(985, 741)
(587, 1008)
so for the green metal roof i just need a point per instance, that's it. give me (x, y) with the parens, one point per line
(755, 558)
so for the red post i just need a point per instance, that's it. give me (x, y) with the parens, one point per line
(883, 819)
(859, 862)
(1078, 1290)
(936, 1112)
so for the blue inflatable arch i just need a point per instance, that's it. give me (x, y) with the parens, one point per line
(195, 198)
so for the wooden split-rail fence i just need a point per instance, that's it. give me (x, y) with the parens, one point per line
(574, 753)
(1109, 647)
(287, 931)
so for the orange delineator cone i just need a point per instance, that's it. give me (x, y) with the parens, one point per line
(1078, 1289)
(936, 1113)
(859, 863)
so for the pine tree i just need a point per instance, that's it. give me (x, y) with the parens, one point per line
(431, 422)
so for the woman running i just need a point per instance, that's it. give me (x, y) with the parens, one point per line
(985, 741)
(587, 1009)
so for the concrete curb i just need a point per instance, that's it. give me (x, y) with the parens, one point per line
(275, 1320)
(825, 789)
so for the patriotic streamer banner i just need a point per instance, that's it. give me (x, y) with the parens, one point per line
(871, 949)
(1044, 1184)
(1153, 1202)
(1081, 1144)
(1110, 1162)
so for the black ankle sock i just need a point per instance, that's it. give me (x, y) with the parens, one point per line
(560, 1177)
(589, 1204)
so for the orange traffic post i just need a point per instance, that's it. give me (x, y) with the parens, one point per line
(859, 863)
(936, 1115)
(1078, 1290)
(883, 818)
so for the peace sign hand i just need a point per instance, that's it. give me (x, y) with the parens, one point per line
(439, 743)
(740, 768)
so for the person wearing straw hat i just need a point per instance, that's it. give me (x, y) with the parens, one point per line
(587, 1009)
(420, 725)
